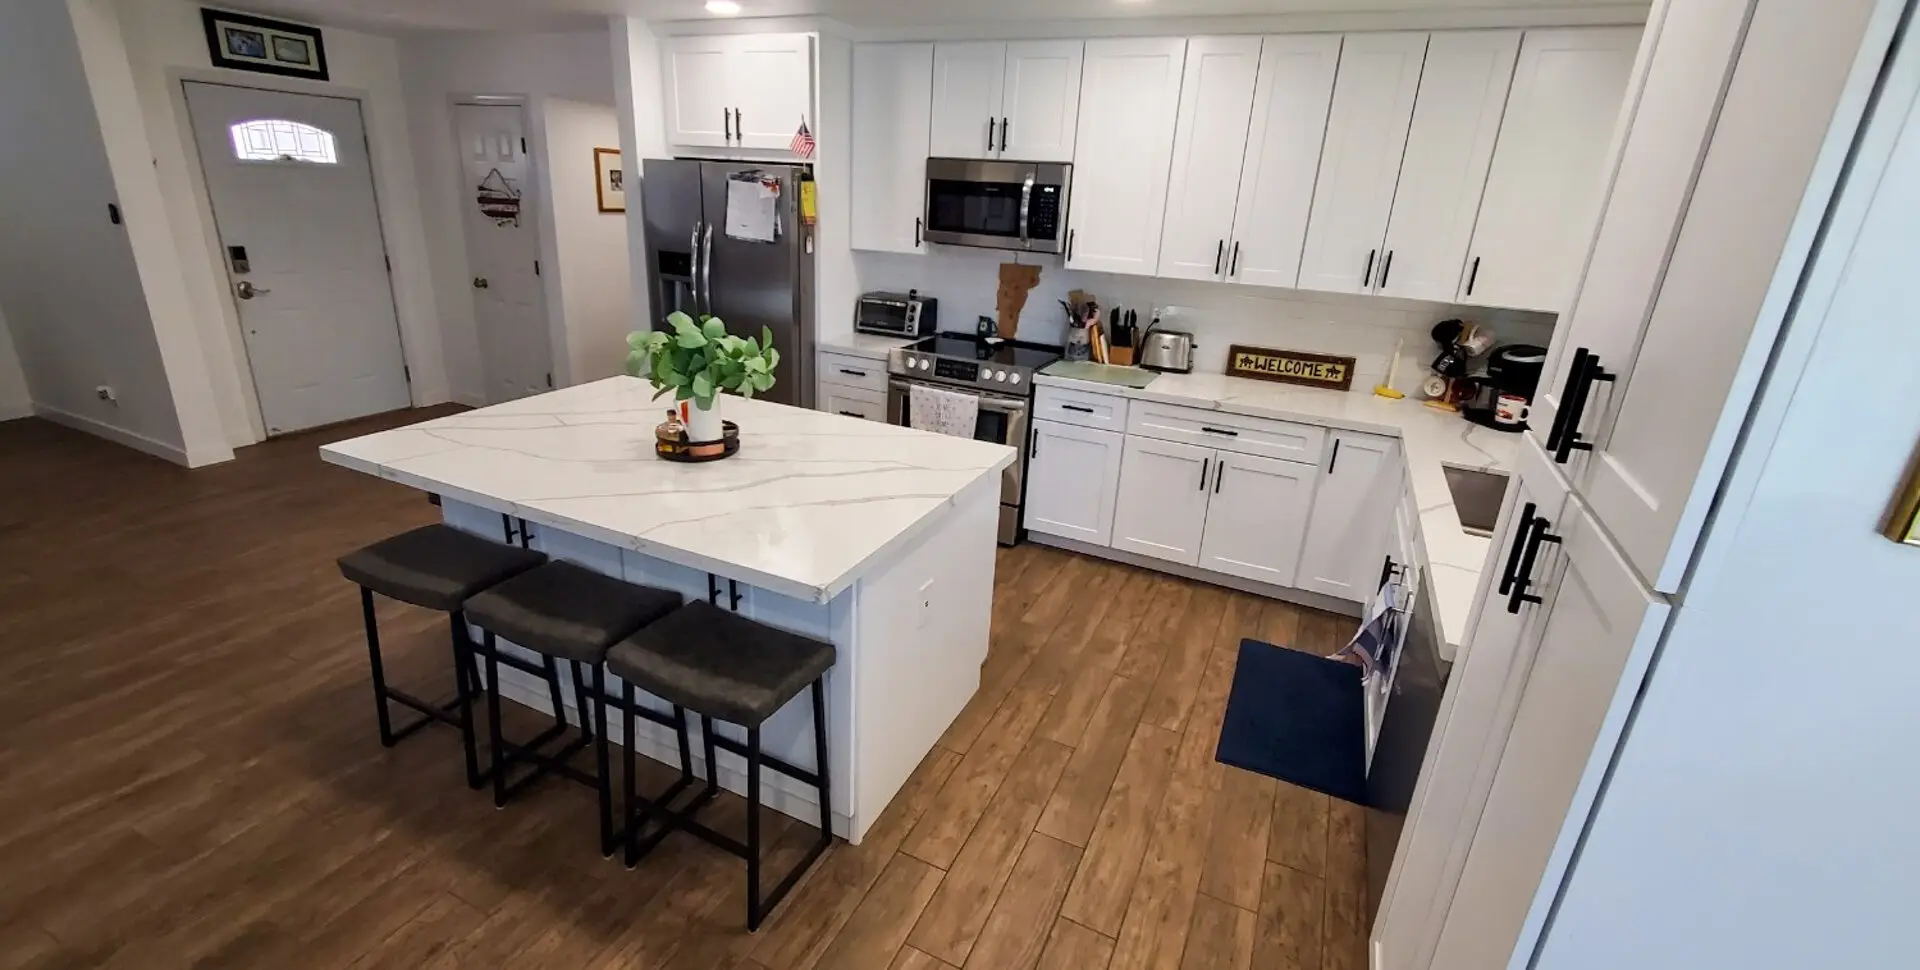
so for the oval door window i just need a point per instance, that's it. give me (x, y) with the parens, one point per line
(279, 140)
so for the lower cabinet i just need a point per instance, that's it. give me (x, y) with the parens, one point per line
(1351, 516)
(1257, 518)
(854, 402)
(1073, 474)
(1162, 506)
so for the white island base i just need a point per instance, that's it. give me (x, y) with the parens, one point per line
(911, 635)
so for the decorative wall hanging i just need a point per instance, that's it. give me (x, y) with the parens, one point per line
(609, 180)
(1290, 367)
(499, 200)
(244, 42)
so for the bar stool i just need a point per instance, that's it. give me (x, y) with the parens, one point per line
(722, 665)
(573, 613)
(435, 567)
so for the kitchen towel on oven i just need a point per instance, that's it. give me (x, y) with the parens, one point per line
(1373, 643)
(945, 412)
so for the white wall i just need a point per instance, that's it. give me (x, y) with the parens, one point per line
(70, 290)
(590, 290)
(640, 101)
(15, 402)
(1217, 314)
(1761, 811)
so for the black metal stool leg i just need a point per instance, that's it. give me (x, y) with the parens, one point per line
(580, 695)
(713, 762)
(463, 682)
(686, 741)
(753, 829)
(553, 689)
(630, 788)
(379, 671)
(601, 757)
(500, 760)
(820, 758)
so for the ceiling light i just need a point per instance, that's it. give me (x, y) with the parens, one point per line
(723, 8)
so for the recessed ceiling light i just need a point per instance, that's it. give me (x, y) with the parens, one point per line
(723, 8)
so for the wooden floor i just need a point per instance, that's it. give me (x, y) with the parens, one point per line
(191, 776)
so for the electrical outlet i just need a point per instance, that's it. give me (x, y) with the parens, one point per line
(105, 393)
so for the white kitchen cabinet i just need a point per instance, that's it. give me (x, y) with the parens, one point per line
(1122, 153)
(1283, 143)
(892, 125)
(853, 402)
(1456, 121)
(1210, 142)
(1073, 478)
(1017, 100)
(1348, 532)
(1548, 174)
(738, 90)
(1161, 510)
(1257, 517)
(1373, 98)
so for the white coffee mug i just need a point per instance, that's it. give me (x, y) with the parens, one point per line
(1511, 409)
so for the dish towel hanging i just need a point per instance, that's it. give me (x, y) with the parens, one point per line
(1372, 643)
(943, 412)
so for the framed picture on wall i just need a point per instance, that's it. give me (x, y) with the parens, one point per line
(609, 180)
(244, 42)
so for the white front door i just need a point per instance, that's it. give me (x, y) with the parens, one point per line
(503, 251)
(292, 194)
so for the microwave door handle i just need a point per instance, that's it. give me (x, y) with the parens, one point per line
(1026, 204)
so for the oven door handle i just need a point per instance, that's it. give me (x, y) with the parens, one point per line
(995, 403)
(1026, 205)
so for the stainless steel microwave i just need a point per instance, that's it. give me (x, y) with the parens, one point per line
(998, 205)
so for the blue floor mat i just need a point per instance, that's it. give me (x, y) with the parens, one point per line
(1298, 718)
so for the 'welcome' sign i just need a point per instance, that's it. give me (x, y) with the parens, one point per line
(1290, 367)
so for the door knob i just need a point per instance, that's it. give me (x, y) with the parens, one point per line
(480, 283)
(248, 291)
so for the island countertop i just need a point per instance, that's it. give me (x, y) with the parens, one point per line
(811, 500)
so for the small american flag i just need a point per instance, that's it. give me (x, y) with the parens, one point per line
(803, 141)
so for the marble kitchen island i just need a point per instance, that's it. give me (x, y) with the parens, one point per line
(878, 539)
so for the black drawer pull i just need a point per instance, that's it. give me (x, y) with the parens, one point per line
(853, 373)
(853, 414)
(1076, 407)
(1224, 431)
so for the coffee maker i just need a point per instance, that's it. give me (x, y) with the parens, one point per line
(1513, 370)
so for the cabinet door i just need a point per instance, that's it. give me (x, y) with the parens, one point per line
(1258, 517)
(1040, 100)
(1128, 106)
(853, 402)
(1360, 162)
(892, 122)
(967, 81)
(1590, 655)
(699, 86)
(1456, 120)
(1352, 517)
(1284, 137)
(1209, 142)
(772, 81)
(1073, 476)
(1162, 507)
(1544, 187)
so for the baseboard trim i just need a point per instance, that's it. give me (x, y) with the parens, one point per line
(14, 412)
(117, 435)
(1285, 594)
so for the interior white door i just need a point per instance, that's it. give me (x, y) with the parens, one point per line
(1456, 121)
(292, 193)
(1598, 635)
(771, 78)
(1258, 517)
(892, 126)
(503, 251)
(1040, 100)
(699, 87)
(1128, 107)
(1548, 173)
(1073, 477)
(1351, 515)
(1366, 133)
(1210, 140)
(1284, 138)
(1162, 507)
(967, 82)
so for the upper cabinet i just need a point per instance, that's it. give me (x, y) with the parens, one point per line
(1373, 99)
(892, 122)
(1014, 100)
(738, 90)
(1544, 189)
(1210, 139)
(1122, 153)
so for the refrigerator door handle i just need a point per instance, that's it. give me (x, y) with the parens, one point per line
(706, 260)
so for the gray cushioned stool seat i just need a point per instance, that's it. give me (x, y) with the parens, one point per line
(721, 664)
(568, 611)
(436, 566)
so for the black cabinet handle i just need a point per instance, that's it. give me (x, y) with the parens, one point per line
(726, 123)
(1233, 266)
(1033, 443)
(1230, 434)
(853, 373)
(1559, 428)
(739, 126)
(1076, 407)
(1219, 255)
(1386, 267)
(1523, 578)
(1368, 275)
(1070, 244)
(919, 229)
(1335, 460)
(853, 414)
(1205, 465)
(1219, 475)
(1473, 275)
(1005, 126)
(989, 133)
(1520, 531)
(1386, 571)
(1586, 372)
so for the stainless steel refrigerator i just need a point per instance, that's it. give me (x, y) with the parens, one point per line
(702, 268)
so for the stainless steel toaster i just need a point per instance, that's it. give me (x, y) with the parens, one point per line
(1167, 350)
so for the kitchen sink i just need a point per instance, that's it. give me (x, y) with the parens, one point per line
(1476, 498)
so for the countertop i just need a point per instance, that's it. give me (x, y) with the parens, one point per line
(1429, 441)
(865, 345)
(811, 500)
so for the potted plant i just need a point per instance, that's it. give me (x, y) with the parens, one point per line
(697, 361)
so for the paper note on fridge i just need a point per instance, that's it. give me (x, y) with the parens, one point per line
(752, 210)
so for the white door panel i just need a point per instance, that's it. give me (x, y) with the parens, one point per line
(321, 333)
(771, 79)
(1040, 100)
(1073, 476)
(1162, 507)
(510, 309)
(698, 87)
(967, 81)
(1216, 98)
(1128, 107)
(1257, 519)
(1284, 138)
(892, 126)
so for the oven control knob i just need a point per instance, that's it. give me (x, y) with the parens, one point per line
(1014, 377)
(920, 362)
(1000, 375)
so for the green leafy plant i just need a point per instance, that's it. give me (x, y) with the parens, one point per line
(697, 361)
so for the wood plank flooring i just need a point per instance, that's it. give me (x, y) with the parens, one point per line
(192, 778)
